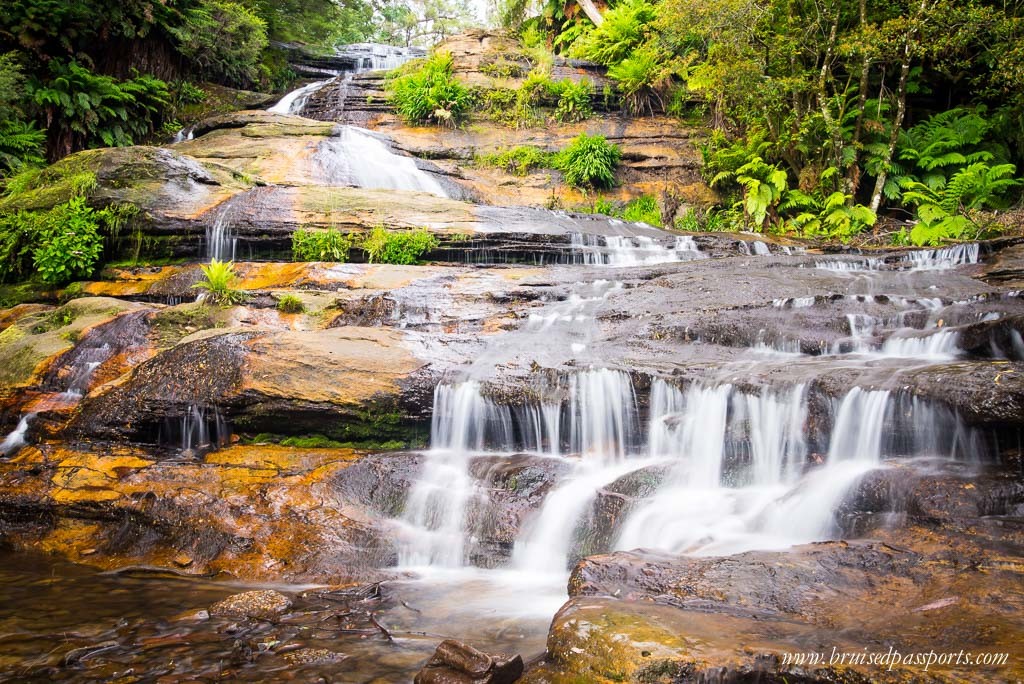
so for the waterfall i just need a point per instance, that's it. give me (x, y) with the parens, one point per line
(638, 250)
(295, 101)
(221, 243)
(463, 422)
(199, 429)
(596, 420)
(943, 258)
(939, 346)
(917, 260)
(16, 438)
(357, 157)
(857, 432)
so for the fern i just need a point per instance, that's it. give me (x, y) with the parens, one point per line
(21, 144)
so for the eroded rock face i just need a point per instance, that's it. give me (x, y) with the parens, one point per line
(254, 512)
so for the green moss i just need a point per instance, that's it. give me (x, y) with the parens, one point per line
(174, 323)
(44, 188)
(319, 441)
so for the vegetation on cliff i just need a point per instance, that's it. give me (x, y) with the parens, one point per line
(825, 118)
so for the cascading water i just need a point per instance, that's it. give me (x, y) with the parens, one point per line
(639, 250)
(356, 157)
(16, 438)
(221, 243)
(295, 101)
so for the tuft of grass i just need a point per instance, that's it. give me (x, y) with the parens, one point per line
(519, 161)
(290, 304)
(220, 283)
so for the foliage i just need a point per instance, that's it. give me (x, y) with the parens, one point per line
(59, 245)
(950, 211)
(428, 92)
(590, 161)
(224, 40)
(21, 144)
(88, 109)
(384, 246)
(695, 221)
(220, 283)
(834, 217)
(625, 27)
(644, 78)
(320, 245)
(290, 304)
(573, 101)
(763, 185)
(70, 242)
(519, 161)
(643, 209)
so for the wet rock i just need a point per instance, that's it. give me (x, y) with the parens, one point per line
(634, 614)
(349, 384)
(516, 487)
(260, 605)
(935, 493)
(457, 663)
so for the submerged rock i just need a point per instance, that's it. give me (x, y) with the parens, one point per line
(457, 663)
(259, 605)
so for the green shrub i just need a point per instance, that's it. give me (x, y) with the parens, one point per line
(590, 161)
(603, 205)
(224, 40)
(70, 242)
(291, 304)
(320, 245)
(221, 283)
(643, 209)
(59, 245)
(573, 101)
(384, 246)
(426, 91)
(625, 26)
(694, 221)
(643, 78)
(519, 161)
(503, 66)
(950, 211)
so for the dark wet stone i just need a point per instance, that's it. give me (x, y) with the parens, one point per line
(457, 663)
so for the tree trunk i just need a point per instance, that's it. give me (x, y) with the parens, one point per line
(901, 110)
(590, 9)
(901, 107)
(853, 173)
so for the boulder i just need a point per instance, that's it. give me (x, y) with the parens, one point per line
(457, 663)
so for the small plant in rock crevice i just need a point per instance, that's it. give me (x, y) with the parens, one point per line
(220, 284)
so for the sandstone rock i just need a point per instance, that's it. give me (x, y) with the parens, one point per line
(259, 605)
(457, 663)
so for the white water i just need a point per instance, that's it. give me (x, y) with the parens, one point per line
(463, 423)
(917, 260)
(637, 250)
(16, 438)
(221, 243)
(356, 157)
(295, 101)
